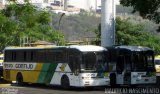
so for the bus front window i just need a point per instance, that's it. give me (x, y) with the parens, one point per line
(93, 61)
(101, 63)
(150, 63)
(143, 62)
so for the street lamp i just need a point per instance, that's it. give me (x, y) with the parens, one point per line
(60, 20)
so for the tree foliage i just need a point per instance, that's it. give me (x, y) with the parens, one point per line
(144, 7)
(97, 31)
(8, 30)
(19, 20)
(147, 9)
(128, 33)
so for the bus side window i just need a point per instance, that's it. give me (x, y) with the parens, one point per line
(74, 64)
(128, 63)
(120, 64)
(8, 56)
(14, 56)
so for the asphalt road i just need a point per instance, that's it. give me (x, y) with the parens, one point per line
(42, 89)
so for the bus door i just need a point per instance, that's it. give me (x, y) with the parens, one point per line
(120, 69)
(75, 68)
(127, 70)
(123, 68)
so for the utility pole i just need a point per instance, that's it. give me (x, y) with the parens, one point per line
(61, 4)
(95, 5)
(59, 23)
(65, 4)
(108, 23)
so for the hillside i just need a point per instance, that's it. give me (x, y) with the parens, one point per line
(76, 27)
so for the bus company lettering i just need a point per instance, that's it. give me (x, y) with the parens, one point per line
(19, 66)
(8, 66)
(24, 66)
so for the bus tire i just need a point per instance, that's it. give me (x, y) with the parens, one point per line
(113, 80)
(19, 79)
(65, 82)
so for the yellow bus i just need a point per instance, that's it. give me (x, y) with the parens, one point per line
(157, 63)
(78, 66)
(1, 65)
(157, 67)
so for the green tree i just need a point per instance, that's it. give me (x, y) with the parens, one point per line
(97, 31)
(8, 30)
(27, 20)
(128, 33)
(144, 7)
(147, 9)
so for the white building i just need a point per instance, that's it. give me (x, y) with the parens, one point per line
(39, 3)
(22, 1)
(83, 4)
(89, 5)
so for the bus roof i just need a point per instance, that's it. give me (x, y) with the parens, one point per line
(135, 48)
(83, 48)
(86, 48)
(28, 47)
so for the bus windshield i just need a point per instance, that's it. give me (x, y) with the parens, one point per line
(143, 62)
(93, 61)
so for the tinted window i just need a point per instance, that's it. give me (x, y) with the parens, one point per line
(36, 55)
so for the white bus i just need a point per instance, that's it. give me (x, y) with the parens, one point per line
(78, 66)
(132, 65)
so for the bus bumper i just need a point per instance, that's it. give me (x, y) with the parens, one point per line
(95, 82)
(144, 80)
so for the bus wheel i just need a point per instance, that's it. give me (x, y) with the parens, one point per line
(113, 80)
(65, 82)
(19, 79)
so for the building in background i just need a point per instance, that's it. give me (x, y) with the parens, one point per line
(38, 3)
(87, 5)
(2, 2)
